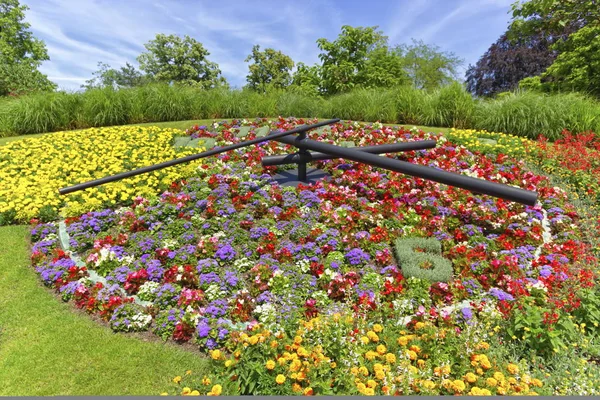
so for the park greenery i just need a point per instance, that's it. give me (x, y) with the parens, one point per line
(211, 278)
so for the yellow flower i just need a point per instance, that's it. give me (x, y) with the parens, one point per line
(216, 354)
(458, 386)
(536, 382)
(195, 393)
(369, 391)
(411, 354)
(206, 381)
(499, 376)
(188, 372)
(390, 358)
(491, 382)
(373, 336)
(297, 339)
(415, 348)
(377, 328)
(216, 390)
(363, 370)
(419, 325)
(380, 375)
(361, 387)
(270, 365)
(308, 391)
(364, 339)
(371, 383)
(280, 379)
(381, 349)
(512, 368)
(177, 379)
(470, 377)
(253, 339)
(402, 340)
(421, 363)
(296, 388)
(185, 391)
(370, 355)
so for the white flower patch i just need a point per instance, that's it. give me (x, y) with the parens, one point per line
(214, 291)
(170, 244)
(265, 313)
(242, 264)
(303, 265)
(148, 289)
(141, 320)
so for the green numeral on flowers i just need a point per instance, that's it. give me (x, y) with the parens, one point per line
(421, 258)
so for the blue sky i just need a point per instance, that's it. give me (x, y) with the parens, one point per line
(80, 33)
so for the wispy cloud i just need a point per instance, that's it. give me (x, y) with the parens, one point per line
(80, 33)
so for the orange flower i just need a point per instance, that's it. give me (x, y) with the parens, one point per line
(308, 391)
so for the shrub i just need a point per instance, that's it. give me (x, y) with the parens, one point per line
(105, 107)
(421, 258)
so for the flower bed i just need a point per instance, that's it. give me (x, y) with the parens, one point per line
(297, 290)
(32, 170)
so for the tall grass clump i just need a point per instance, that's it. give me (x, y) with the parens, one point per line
(260, 104)
(296, 104)
(363, 105)
(532, 114)
(450, 106)
(42, 112)
(162, 102)
(105, 107)
(411, 105)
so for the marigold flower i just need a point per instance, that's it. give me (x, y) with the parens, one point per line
(380, 375)
(270, 365)
(215, 354)
(363, 370)
(364, 339)
(499, 376)
(415, 348)
(370, 355)
(381, 349)
(216, 390)
(420, 363)
(419, 325)
(512, 368)
(298, 339)
(195, 393)
(185, 391)
(253, 340)
(280, 379)
(377, 367)
(470, 377)
(296, 388)
(354, 370)
(536, 382)
(308, 391)
(491, 382)
(402, 340)
(177, 379)
(377, 328)
(206, 381)
(371, 383)
(274, 344)
(411, 354)
(458, 386)
(361, 387)
(373, 336)
(369, 391)
(390, 358)
(228, 363)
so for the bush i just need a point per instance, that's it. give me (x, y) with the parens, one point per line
(421, 258)
(105, 107)
(363, 105)
(530, 114)
(452, 106)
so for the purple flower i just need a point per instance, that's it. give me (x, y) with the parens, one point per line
(203, 329)
(500, 294)
(357, 256)
(226, 252)
(466, 313)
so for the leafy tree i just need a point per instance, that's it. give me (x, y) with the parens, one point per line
(384, 67)
(20, 53)
(507, 62)
(307, 79)
(269, 68)
(428, 67)
(170, 58)
(577, 67)
(106, 76)
(345, 58)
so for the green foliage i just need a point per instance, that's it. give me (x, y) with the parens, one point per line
(43, 112)
(269, 69)
(530, 114)
(452, 106)
(363, 105)
(421, 258)
(411, 105)
(306, 80)
(344, 58)
(20, 53)
(105, 107)
(428, 67)
(169, 58)
(577, 67)
(126, 77)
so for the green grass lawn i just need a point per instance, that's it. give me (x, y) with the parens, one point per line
(47, 348)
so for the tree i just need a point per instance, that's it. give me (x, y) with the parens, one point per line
(507, 62)
(384, 67)
(577, 65)
(307, 79)
(269, 68)
(106, 76)
(428, 67)
(21, 53)
(169, 58)
(345, 58)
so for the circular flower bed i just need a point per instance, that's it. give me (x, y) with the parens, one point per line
(298, 290)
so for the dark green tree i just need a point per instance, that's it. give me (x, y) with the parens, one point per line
(269, 69)
(172, 59)
(21, 53)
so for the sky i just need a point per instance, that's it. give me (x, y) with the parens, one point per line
(80, 33)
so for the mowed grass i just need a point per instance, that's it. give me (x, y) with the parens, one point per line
(46, 348)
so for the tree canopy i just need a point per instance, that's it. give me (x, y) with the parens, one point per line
(21, 53)
(170, 58)
(125, 77)
(428, 67)
(269, 68)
